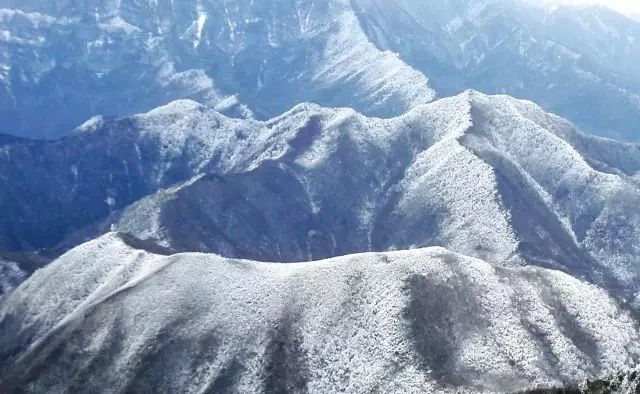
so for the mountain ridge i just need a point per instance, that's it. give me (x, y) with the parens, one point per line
(251, 59)
(107, 275)
(463, 172)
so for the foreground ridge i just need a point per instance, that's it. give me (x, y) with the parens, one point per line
(427, 319)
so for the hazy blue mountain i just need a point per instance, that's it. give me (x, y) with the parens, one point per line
(580, 63)
(62, 62)
(115, 314)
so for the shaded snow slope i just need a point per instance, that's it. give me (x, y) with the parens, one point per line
(15, 268)
(115, 315)
(110, 164)
(11, 275)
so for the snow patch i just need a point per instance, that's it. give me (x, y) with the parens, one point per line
(117, 25)
(200, 24)
(91, 125)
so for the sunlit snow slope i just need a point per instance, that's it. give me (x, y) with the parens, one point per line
(113, 315)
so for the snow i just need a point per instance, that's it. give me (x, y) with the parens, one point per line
(200, 23)
(94, 123)
(485, 176)
(351, 59)
(595, 197)
(5, 70)
(629, 8)
(354, 323)
(117, 24)
(186, 126)
(8, 37)
(37, 19)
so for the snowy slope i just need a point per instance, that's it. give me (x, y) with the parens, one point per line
(486, 176)
(330, 185)
(580, 63)
(108, 165)
(112, 315)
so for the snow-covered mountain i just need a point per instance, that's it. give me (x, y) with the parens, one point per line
(577, 62)
(490, 177)
(243, 57)
(461, 244)
(486, 176)
(15, 268)
(114, 315)
(64, 61)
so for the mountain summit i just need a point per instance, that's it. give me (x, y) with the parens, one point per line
(293, 196)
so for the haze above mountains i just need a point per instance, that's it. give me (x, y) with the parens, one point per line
(629, 8)
(437, 238)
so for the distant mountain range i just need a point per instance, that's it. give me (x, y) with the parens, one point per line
(116, 311)
(63, 61)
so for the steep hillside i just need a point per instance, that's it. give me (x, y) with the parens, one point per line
(578, 62)
(76, 181)
(489, 177)
(114, 315)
